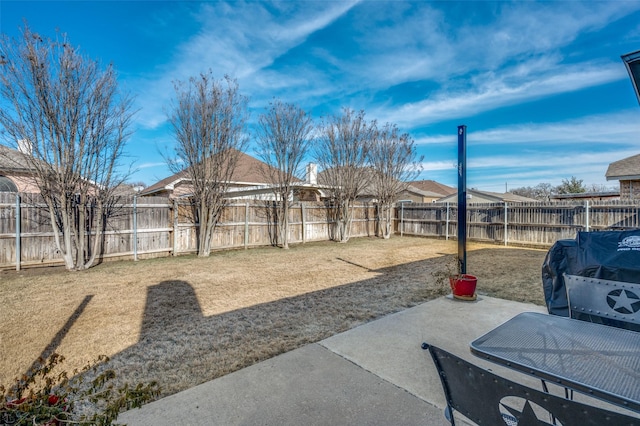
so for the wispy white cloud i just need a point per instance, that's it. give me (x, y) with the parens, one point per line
(512, 54)
(614, 128)
(591, 167)
(525, 155)
(514, 59)
(490, 173)
(238, 39)
(440, 42)
(309, 23)
(430, 166)
(547, 160)
(496, 92)
(152, 165)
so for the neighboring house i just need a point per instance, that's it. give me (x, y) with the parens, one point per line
(415, 195)
(426, 191)
(434, 187)
(15, 173)
(247, 182)
(368, 193)
(127, 189)
(478, 197)
(627, 172)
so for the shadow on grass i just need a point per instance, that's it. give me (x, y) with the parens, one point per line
(168, 304)
(180, 347)
(57, 339)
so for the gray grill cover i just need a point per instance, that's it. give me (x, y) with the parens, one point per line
(609, 255)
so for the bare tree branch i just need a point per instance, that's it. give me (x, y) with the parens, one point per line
(208, 119)
(71, 123)
(283, 139)
(342, 153)
(395, 162)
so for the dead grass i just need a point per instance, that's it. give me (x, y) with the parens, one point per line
(183, 321)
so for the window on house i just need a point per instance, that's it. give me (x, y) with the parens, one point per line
(7, 185)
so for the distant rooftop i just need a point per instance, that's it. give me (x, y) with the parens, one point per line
(625, 169)
(582, 195)
(12, 160)
(433, 187)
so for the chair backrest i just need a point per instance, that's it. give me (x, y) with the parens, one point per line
(613, 303)
(488, 399)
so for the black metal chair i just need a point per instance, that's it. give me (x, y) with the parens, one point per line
(488, 399)
(607, 302)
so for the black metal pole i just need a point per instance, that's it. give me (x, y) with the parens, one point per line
(462, 198)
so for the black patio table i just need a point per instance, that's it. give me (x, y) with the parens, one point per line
(593, 359)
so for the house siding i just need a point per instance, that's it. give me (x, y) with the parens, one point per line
(23, 182)
(630, 189)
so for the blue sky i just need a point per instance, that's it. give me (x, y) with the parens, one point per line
(540, 86)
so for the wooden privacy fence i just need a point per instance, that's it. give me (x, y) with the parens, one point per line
(539, 224)
(156, 226)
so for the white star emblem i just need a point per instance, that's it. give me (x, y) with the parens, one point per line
(623, 301)
(525, 417)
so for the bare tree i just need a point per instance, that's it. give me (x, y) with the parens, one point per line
(283, 139)
(70, 122)
(541, 192)
(395, 162)
(208, 119)
(342, 152)
(596, 187)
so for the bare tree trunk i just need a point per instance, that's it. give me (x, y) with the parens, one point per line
(63, 240)
(386, 219)
(204, 226)
(81, 237)
(346, 219)
(284, 228)
(99, 214)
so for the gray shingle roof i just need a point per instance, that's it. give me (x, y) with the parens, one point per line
(495, 197)
(418, 191)
(625, 169)
(12, 160)
(433, 187)
(247, 171)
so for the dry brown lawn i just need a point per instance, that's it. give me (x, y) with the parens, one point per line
(182, 321)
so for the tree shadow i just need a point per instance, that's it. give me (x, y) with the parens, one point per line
(57, 339)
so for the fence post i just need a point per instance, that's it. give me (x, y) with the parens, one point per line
(401, 219)
(18, 220)
(175, 228)
(446, 232)
(505, 223)
(303, 215)
(586, 215)
(135, 228)
(246, 225)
